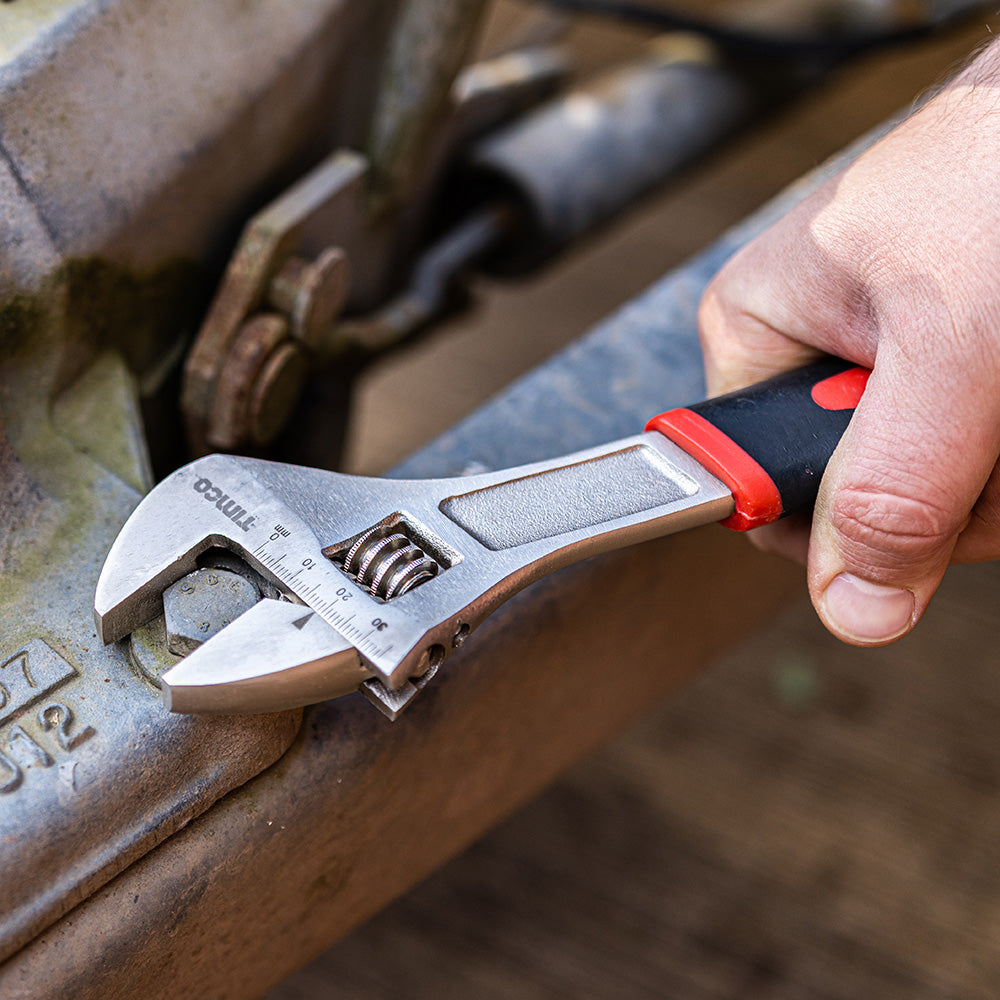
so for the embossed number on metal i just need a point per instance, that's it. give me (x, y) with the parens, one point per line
(29, 675)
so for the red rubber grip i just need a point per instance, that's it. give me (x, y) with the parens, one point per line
(758, 500)
(770, 443)
(842, 391)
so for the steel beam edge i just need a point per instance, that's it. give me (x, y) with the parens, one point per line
(358, 809)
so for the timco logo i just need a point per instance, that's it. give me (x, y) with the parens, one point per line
(237, 514)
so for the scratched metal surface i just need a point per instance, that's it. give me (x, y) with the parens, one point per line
(100, 141)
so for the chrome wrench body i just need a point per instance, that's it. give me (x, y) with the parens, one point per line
(382, 578)
(489, 534)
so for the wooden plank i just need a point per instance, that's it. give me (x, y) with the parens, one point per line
(803, 820)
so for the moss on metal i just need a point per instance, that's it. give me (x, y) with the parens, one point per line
(142, 313)
(19, 316)
(72, 356)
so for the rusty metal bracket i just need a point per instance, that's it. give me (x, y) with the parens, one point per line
(279, 291)
(317, 249)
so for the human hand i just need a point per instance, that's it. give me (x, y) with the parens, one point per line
(893, 264)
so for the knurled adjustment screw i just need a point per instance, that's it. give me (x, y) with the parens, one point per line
(311, 293)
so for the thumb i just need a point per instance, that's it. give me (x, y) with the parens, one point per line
(896, 494)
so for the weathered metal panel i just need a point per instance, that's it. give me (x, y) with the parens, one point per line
(93, 771)
(136, 130)
(131, 134)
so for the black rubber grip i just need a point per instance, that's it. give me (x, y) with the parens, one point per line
(791, 424)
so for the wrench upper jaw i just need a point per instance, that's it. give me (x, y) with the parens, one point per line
(137, 571)
(158, 544)
(119, 610)
(123, 602)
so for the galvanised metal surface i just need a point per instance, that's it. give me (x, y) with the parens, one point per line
(93, 772)
(124, 138)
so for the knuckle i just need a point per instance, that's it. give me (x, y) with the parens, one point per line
(716, 317)
(885, 531)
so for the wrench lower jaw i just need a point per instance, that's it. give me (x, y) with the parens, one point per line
(276, 656)
(293, 687)
(392, 703)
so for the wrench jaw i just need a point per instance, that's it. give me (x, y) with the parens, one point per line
(275, 656)
(159, 544)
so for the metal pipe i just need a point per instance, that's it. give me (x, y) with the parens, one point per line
(576, 161)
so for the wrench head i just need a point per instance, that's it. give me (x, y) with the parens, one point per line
(278, 654)
(294, 526)
(355, 552)
(163, 538)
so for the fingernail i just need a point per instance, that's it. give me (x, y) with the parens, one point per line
(866, 612)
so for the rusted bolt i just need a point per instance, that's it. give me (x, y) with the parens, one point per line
(311, 293)
(258, 385)
(262, 375)
(276, 390)
(256, 341)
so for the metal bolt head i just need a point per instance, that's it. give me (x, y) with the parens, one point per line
(203, 603)
(241, 377)
(275, 393)
(311, 293)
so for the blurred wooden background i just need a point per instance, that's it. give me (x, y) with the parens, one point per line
(805, 820)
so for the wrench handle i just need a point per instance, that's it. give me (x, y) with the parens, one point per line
(770, 443)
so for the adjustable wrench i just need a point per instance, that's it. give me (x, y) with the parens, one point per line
(381, 579)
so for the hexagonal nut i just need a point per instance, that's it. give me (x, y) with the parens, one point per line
(203, 603)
